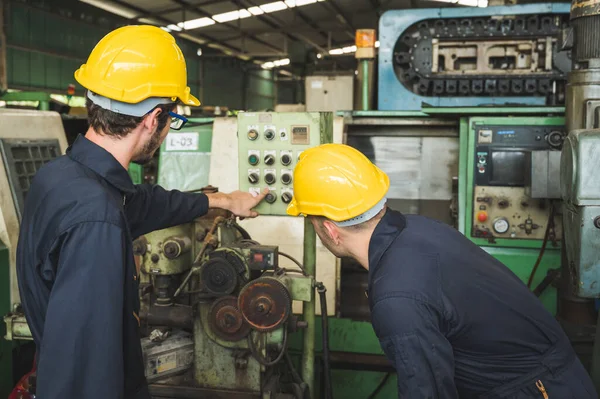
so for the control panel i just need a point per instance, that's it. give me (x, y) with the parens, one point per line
(502, 207)
(269, 144)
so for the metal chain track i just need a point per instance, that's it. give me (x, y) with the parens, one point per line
(413, 56)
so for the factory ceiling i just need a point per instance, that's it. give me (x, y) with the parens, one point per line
(269, 33)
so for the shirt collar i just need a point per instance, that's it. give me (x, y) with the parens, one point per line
(102, 162)
(389, 227)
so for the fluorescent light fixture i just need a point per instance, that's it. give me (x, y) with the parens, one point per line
(272, 7)
(336, 51)
(256, 11)
(196, 23)
(277, 63)
(290, 3)
(149, 21)
(112, 8)
(199, 52)
(174, 27)
(231, 16)
(285, 61)
(349, 49)
(165, 29)
(192, 38)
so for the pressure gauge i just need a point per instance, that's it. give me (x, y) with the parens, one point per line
(501, 225)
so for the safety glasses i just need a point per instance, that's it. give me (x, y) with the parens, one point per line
(177, 121)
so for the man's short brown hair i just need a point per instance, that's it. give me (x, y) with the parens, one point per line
(110, 123)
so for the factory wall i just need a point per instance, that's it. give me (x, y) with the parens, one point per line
(47, 40)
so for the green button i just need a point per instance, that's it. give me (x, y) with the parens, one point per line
(253, 159)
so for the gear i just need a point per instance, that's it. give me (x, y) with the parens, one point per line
(265, 303)
(226, 320)
(219, 276)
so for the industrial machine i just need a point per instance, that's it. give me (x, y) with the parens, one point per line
(470, 56)
(580, 185)
(216, 311)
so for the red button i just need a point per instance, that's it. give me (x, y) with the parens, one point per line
(482, 216)
(258, 257)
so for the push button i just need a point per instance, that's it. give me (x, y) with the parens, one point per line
(482, 216)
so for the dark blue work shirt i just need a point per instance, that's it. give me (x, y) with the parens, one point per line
(77, 275)
(456, 322)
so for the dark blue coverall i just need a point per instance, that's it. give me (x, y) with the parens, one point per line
(457, 323)
(77, 275)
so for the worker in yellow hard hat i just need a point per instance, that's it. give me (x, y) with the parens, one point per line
(75, 264)
(453, 320)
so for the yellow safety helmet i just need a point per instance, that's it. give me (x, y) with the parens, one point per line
(338, 182)
(137, 64)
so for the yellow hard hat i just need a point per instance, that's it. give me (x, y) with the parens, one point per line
(134, 63)
(338, 182)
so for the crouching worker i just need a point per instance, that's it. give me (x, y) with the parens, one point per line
(453, 320)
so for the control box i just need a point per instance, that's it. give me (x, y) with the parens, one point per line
(269, 144)
(501, 207)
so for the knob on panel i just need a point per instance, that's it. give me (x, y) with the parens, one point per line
(271, 197)
(286, 197)
(269, 159)
(253, 178)
(286, 178)
(286, 159)
(269, 178)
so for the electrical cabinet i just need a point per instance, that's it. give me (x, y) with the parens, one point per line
(269, 145)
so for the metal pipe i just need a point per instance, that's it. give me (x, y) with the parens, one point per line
(365, 83)
(3, 73)
(173, 316)
(308, 311)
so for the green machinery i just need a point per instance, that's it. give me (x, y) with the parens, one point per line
(509, 193)
(214, 307)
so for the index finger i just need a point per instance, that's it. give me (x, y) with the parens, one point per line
(263, 193)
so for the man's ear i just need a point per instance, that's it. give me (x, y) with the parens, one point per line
(151, 120)
(333, 231)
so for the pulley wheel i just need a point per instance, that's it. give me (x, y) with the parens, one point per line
(226, 321)
(265, 303)
(219, 277)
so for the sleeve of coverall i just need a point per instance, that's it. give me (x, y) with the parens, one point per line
(154, 208)
(81, 353)
(410, 336)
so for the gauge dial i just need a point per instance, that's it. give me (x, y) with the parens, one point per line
(501, 225)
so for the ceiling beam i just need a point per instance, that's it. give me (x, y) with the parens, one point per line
(232, 25)
(276, 23)
(337, 12)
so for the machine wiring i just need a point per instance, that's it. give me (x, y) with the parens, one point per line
(259, 357)
(293, 260)
(321, 289)
(549, 227)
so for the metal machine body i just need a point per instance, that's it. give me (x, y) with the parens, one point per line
(215, 304)
(470, 56)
